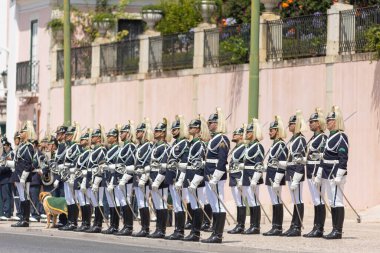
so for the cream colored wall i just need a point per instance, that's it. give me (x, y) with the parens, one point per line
(282, 92)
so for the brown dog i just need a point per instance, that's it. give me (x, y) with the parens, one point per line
(52, 211)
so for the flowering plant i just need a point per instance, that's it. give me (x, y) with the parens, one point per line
(295, 8)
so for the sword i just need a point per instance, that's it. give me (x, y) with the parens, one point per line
(111, 193)
(220, 200)
(258, 200)
(182, 201)
(319, 191)
(279, 197)
(298, 212)
(101, 211)
(358, 219)
(128, 204)
(199, 203)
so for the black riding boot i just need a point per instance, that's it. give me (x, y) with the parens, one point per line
(319, 222)
(241, 215)
(189, 221)
(195, 233)
(278, 217)
(299, 211)
(145, 222)
(217, 235)
(113, 224)
(338, 219)
(180, 227)
(21, 222)
(128, 222)
(206, 226)
(255, 221)
(98, 220)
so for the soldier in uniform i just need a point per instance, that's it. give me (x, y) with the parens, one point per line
(236, 181)
(144, 137)
(23, 167)
(109, 178)
(5, 175)
(123, 191)
(16, 197)
(215, 173)
(195, 174)
(295, 171)
(316, 144)
(332, 172)
(47, 174)
(253, 174)
(275, 176)
(159, 187)
(36, 182)
(80, 175)
(59, 159)
(73, 150)
(176, 173)
(95, 176)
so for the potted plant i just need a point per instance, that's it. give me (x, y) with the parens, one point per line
(207, 9)
(56, 27)
(269, 5)
(152, 14)
(103, 21)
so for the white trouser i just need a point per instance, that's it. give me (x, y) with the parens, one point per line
(21, 190)
(334, 192)
(315, 196)
(236, 193)
(110, 198)
(141, 200)
(121, 196)
(273, 196)
(177, 199)
(95, 199)
(158, 197)
(250, 195)
(201, 198)
(68, 193)
(185, 195)
(206, 201)
(82, 200)
(296, 194)
(216, 206)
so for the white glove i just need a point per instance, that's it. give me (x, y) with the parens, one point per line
(111, 167)
(339, 176)
(110, 187)
(240, 183)
(72, 170)
(139, 171)
(61, 166)
(23, 177)
(84, 172)
(195, 182)
(130, 169)
(241, 166)
(83, 188)
(147, 169)
(255, 179)
(142, 181)
(277, 181)
(56, 183)
(157, 182)
(125, 179)
(282, 164)
(296, 181)
(318, 177)
(95, 185)
(179, 183)
(71, 180)
(10, 164)
(215, 179)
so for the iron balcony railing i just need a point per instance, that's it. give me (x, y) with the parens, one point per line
(354, 25)
(81, 60)
(171, 52)
(298, 37)
(120, 58)
(27, 76)
(227, 45)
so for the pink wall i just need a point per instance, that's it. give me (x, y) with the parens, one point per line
(282, 92)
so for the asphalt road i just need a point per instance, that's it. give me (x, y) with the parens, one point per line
(18, 243)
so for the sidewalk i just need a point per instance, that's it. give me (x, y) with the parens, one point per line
(357, 237)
